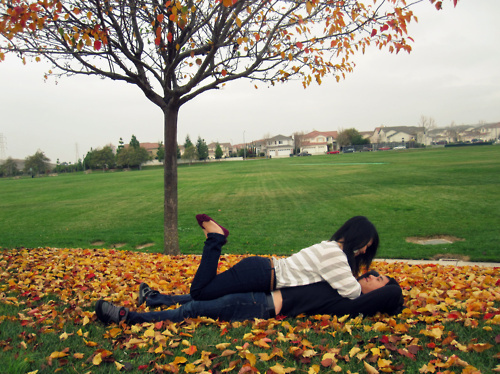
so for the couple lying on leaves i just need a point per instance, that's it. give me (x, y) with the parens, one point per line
(317, 280)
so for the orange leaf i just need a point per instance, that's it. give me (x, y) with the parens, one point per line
(191, 350)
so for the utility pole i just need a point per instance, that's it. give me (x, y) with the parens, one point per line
(3, 146)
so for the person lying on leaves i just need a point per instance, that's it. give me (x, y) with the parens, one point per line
(378, 294)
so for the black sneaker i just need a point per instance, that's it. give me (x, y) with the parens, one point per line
(144, 292)
(108, 312)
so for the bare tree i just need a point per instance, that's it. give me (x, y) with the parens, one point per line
(428, 124)
(298, 139)
(452, 132)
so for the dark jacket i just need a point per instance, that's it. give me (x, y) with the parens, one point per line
(320, 298)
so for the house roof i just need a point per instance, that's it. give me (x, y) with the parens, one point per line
(316, 133)
(280, 137)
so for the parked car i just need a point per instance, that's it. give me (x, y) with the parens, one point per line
(366, 149)
(349, 150)
(305, 153)
(400, 147)
(384, 149)
(333, 153)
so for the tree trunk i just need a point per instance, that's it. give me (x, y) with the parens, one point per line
(171, 238)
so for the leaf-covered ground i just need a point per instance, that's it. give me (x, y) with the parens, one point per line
(451, 323)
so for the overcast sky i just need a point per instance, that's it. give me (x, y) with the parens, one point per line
(452, 75)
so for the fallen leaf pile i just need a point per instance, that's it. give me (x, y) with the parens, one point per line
(438, 299)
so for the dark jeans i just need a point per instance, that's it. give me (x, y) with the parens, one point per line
(157, 299)
(252, 274)
(235, 307)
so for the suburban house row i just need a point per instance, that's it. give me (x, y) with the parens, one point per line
(320, 142)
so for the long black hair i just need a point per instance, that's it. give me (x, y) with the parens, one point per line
(354, 234)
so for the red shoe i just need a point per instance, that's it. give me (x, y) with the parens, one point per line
(204, 218)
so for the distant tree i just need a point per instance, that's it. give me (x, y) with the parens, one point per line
(218, 152)
(350, 137)
(188, 143)
(201, 149)
(190, 153)
(452, 133)
(178, 152)
(160, 153)
(9, 168)
(134, 143)
(248, 152)
(121, 145)
(59, 168)
(36, 164)
(79, 165)
(132, 157)
(101, 158)
(298, 138)
(428, 123)
(123, 158)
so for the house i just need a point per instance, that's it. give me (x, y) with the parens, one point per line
(490, 132)
(317, 142)
(279, 146)
(398, 135)
(226, 148)
(152, 148)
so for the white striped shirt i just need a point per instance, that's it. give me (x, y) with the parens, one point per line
(321, 262)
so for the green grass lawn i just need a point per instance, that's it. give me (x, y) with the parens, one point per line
(273, 206)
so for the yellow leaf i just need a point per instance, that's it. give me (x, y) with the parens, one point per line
(114, 332)
(86, 320)
(309, 353)
(78, 356)
(90, 343)
(313, 369)
(251, 358)
(382, 363)
(149, 333)
(309, 7)
(279, 369)
(344, 318)
(370, 369)
(63, 336)
(179, 360)
(159, 349)
(118, 366)
(58, 354)
(97, 359)
(353, 351)
(227, 352)
(222, 346)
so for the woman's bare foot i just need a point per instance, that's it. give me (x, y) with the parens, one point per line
(212, 227)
